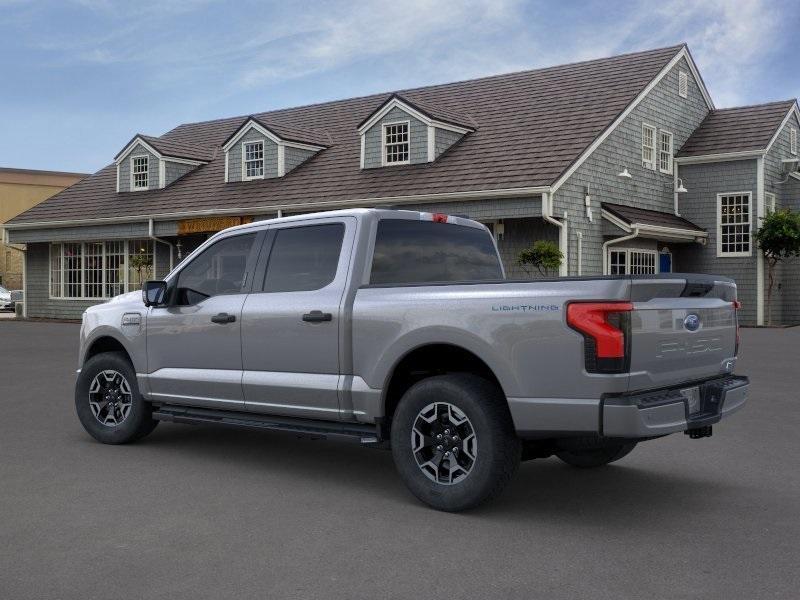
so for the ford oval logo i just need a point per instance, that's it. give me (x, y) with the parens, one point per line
(691, 322)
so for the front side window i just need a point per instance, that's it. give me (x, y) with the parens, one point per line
(253, 160)
(648, 146)
(219, 269)
(630, 261)
(408, 252)
(140, 172)
(665, 152)
(396, 143)
(733, 233)
(304, 258)
(99, 269)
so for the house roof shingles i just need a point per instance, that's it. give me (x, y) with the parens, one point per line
(740, 129)
(530, 127)
(632, 215)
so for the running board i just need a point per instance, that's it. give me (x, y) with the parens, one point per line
(355, 432)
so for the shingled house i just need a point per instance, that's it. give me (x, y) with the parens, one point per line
(623, 161)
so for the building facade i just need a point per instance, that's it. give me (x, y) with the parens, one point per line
(21, 189)
(624, 162)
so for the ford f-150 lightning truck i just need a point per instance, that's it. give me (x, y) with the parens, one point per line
(398, 329)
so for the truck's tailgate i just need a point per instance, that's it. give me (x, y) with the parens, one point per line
(682, 330)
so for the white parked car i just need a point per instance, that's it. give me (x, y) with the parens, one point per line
(5, 299)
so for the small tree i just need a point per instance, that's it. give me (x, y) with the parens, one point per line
(544, 255)
(141, 264)
(778, 237)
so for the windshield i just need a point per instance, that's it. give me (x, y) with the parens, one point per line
(3, 290)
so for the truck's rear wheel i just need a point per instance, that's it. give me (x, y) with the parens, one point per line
(587, 458)
(108, 402)
(453, 441)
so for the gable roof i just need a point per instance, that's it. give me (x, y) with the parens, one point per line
(169, 148)
(429, 112)
(640, 216)
(739, 129)
(530, 127)
(282, 131)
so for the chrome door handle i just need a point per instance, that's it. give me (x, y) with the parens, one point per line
(223, 318)
(317, 316)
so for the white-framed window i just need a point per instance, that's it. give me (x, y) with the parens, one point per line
(648, 146)
(99, 269)
(253, 160)
(734, 218)
(396, 144)
(140, 172)
(769, 197)
(632, 261)
(683, 84)
(665, 152)
(792, 140)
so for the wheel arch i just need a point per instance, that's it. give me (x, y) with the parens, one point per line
(430, 359)
(105, 341)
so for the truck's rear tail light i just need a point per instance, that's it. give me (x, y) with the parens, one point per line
(606, 332)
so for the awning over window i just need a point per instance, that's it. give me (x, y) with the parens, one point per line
(652, 223)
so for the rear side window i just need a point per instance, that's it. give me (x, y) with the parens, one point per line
(427, 252)
(304, 258)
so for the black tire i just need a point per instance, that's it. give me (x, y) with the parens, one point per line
(138, 421)
(498, 449)
(596, 457)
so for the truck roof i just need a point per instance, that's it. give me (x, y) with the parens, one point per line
(377, 213)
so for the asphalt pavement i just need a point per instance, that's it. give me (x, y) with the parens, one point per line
(202, 512)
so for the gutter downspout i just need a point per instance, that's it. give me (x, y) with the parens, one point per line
(675, 187)
(580, 253)
(613, 242)
(150, 234)
(547, 211)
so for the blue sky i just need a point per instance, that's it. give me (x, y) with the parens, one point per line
(79, 78)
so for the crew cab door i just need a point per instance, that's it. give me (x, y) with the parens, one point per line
(291, 319)
(194, 351)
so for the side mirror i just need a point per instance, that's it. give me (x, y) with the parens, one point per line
(154, 292)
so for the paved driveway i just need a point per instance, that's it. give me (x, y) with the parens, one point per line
(200, 512)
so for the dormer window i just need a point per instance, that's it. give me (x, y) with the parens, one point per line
(140, 177)
(253, 160)
(395, 143)
(401, 132)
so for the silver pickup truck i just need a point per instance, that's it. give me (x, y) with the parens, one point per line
(397, 329)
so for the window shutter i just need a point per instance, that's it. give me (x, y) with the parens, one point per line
(683, 84)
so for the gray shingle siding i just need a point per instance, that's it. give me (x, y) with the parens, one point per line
(125, 169)
(270, 156)
(649, 189)
(80, 234)
(485, 210)
(786, 289)
(443, 139)
(699, 205)
(418, 139)
(174, 171)
(294, 157)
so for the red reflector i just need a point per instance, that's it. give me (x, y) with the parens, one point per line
(591, 318)
(737, 305)
(439, 218)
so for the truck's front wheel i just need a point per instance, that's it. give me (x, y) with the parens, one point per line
(108, 402)
(453, 441)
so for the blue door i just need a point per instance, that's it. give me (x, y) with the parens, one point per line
(665, 262)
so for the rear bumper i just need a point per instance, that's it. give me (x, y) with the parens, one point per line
(635, 415)
(651, 414)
